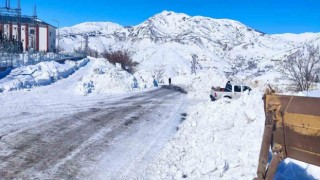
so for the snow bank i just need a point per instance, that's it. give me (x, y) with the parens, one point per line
(218, 140)
(293, 169)
(199, 85)
(5, 72)
(43, 73)
(312, 93)
(221, 140)
(104, 77)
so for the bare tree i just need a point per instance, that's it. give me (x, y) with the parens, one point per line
(302, 67)
(92, 53)
(122, 57)
(158, 73)
(194, 63)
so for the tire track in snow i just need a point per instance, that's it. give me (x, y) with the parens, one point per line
(59, 148)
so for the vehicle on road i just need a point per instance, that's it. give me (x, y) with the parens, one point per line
(231, 91)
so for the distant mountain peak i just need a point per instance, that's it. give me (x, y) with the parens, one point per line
(89, 27)
(172, 13)
(168, 17)
(183, 35)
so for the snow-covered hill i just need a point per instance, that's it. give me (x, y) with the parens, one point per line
(163, 44)
(168, 40)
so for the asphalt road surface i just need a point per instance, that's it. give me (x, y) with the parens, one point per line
(110, 139)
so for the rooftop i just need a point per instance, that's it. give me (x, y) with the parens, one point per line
(23, 20)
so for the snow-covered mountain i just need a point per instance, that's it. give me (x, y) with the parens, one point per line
(168, 40)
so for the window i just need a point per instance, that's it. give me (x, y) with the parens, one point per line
(246, 88)
(31, 31)
(228, 87)
(237, 88)
(50, 34)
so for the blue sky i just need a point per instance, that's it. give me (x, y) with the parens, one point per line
(270, 16)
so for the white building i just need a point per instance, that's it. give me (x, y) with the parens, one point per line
(24, 32)
(34, 33)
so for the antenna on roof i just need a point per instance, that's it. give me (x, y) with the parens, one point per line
(35, 12)
(19, 6)
(8, 4)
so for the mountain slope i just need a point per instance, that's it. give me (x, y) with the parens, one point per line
(168, 40)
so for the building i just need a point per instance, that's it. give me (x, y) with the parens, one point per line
(24, 33)
(34, 33)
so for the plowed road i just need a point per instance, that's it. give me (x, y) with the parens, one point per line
(112, 138)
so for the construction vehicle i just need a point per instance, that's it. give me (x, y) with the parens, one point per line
(292, 129)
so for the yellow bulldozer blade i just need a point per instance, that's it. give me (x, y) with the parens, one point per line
(292, 129)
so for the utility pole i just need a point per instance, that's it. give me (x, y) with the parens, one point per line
(86, 46)
(35, 16)
(19, 43)
(58, 47)
(80, 42)
(193, 64)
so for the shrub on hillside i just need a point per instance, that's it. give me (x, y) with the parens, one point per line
(89, 52)
(92, 53)
(122, 57)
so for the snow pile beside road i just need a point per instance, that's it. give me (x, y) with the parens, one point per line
(199, 85)
(105, 78)
(41, 74)
(218, 140)
(221, 140)
(312, 93)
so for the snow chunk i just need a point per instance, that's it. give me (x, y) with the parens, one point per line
(250, 114)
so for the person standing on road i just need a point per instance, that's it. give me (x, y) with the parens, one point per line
(169, 81)
(155, 83)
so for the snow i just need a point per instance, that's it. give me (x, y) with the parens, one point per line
(39, 103)
(199, 85)
(169, 40)
(104, 77)
(293, 169)
(43, 73)
(57, 108)
(216, 140)
(312, 93)
(101, 78)
(105, 27)
(222, 140)
(298, 37)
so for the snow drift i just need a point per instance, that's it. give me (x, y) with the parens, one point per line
(218, 140)
(43, 73)
(222, 140)
(104, 77)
